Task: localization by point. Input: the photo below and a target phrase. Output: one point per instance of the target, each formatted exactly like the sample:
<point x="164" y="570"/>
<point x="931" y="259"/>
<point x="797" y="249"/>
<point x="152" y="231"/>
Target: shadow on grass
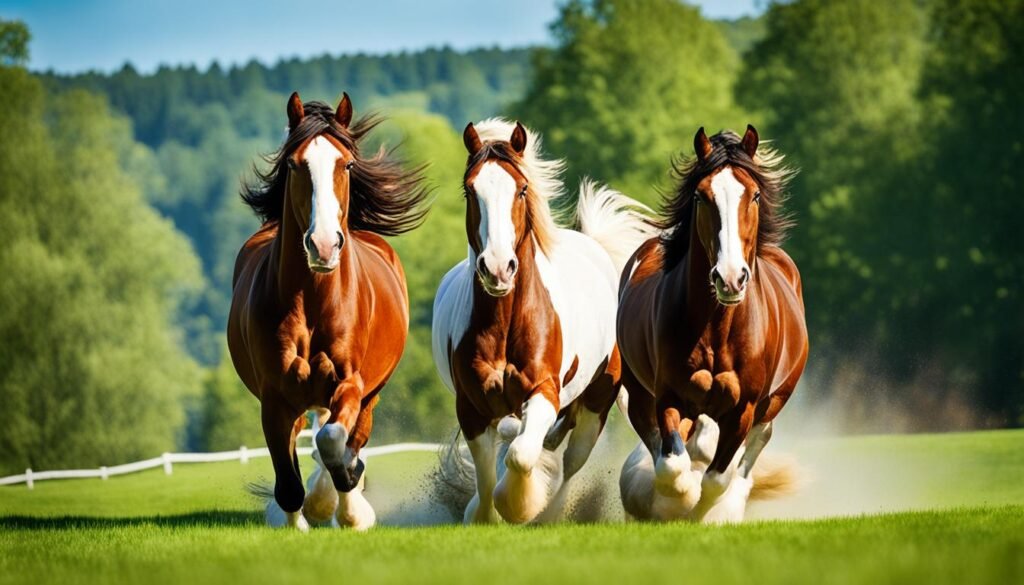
<point x="207" y="519"/>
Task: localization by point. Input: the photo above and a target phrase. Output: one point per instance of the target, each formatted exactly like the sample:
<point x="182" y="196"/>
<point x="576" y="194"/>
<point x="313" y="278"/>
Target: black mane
<point x="767" y="171"/>
<point x="384" y="197"/>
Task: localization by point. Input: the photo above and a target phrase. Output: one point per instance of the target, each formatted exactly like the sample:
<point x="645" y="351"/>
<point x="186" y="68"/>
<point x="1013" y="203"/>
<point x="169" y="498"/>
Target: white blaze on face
<point x="324" y="221"/>
<point x="728" y="193"/>
<point x="496" y="192"/>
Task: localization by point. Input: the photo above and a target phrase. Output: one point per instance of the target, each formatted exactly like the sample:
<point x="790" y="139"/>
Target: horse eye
<point x="292" y="165"/>
<point x="522" y="193"/>
<point x="757" y="197"/>
<point x="350" y="164"/>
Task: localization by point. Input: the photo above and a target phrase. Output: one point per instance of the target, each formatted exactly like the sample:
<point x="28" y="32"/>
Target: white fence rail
<point x="167" y="461"/>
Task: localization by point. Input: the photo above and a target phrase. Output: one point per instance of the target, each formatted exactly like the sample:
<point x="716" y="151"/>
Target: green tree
<point x="836" y="84"/>
<point x="626" y="87"/>
<point x="415" y="403"/>
<point x="973" y="140"/>
<point x="14" y="37"/>
<point x="904" y="119"/>
<point x="230" y="413"/>
<point x="92" y="370"/>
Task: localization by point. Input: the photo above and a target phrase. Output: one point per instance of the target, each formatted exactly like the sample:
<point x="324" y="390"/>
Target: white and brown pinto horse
<point x="524" y="327"/>
<point x="712" y="334"/>
<point x="319" y="310"/>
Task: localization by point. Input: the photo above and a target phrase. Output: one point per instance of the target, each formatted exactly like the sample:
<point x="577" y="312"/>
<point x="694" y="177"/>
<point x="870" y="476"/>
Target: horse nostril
<point x="307" y="241"/>
<point x="715" y="276"/>
<point x="744" y="276"/>
<point x="480" y="266"/>
<point x="513" y="266"/>
<point x="341" y="241"/>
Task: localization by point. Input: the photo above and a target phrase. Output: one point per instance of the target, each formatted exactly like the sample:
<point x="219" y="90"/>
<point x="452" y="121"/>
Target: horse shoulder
<point x="780" y="260"/>
<point x="253" y="249"/>
<point x="453" y="306"/>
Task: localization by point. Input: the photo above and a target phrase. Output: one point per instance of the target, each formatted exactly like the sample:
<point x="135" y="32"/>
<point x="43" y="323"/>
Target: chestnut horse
<point x="524" y="327"/>
<point x="712" y="334"/>
<point x="319" y="310"/>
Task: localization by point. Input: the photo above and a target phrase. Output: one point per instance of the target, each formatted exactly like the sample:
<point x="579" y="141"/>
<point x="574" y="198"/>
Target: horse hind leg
<point x="321" y="499"/>
<point x="592" y="414"/>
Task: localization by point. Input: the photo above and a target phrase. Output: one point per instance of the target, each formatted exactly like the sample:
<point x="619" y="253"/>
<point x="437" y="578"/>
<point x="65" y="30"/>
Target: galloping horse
<point x="524" y="327"/>
<point x="319" y="310"/>
<point x="712" y="333"/>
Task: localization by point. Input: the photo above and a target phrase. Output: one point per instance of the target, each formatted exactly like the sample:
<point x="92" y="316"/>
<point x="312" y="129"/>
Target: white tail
<point x="618" y="223"/>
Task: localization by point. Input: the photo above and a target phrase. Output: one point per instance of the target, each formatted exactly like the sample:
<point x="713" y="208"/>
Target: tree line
<point x="902" y="117"/>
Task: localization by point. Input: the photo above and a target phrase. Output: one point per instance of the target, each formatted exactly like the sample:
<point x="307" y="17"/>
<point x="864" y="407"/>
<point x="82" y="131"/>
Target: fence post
<point x="243" y="454"/>
<point x="28" y="478"/>
<point x="103" y="472"/>
<point x="167" y="464"/>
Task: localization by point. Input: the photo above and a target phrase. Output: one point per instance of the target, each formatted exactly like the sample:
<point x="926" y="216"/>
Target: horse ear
<point x="701" y="145"/>
<point x="343" y="115"/>
<point x="471" y="139"/>
<point x="750" y="141"/>
<point x="518" y="140"/>
<point x="295" y="111"/>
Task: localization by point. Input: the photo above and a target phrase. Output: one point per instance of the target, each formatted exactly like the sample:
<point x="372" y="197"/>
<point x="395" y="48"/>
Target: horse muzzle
<point x="730" y="286"/>
<point x="497" y="283"/>
<point x="323" y="254"/>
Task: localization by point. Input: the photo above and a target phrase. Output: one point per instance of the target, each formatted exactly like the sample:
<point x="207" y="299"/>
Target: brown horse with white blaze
<point x="319" y="312"/>
<point x="712" y="334"/>
<point x="524" y="327"/>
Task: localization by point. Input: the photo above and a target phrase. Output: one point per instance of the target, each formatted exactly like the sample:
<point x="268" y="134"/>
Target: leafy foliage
<point x="92" y="370"/>
<point x="14" y="37"/>
<point x="901" y="117"/>
<point x="628" y="83"/>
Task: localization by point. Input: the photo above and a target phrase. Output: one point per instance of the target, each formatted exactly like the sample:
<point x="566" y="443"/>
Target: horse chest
<point x="495" y="386"/>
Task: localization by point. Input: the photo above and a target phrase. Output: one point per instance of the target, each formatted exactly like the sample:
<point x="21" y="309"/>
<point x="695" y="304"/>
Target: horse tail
<point x="264" y="492"/>
<point x="619" y="224"/>
<point x="453" y="482"/>
<point x="774" y="477"/>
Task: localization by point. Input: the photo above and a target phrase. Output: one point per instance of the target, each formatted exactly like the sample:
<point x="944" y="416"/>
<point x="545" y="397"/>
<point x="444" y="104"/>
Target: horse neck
<point x="496" y="313"/>
<point x="293" y="274"/>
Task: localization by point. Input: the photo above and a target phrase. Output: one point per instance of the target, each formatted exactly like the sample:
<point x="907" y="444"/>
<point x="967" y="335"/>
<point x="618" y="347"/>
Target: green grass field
<point x="923" y="508"/>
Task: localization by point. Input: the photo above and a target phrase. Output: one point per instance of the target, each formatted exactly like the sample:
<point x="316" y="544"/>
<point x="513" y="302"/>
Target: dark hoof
<point x="289" y="496"/>
<point x="346" y="479"/>
<point x="330" y="441"/>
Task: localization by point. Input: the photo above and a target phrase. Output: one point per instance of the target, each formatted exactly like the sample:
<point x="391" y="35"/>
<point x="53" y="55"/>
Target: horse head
<point x="319" y="167"/>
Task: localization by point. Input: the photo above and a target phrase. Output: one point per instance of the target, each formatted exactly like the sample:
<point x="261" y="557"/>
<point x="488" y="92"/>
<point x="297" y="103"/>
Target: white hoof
<point x="354" y="511"/>
<point x="475" y="514"/>
<point x="297" y="521"/>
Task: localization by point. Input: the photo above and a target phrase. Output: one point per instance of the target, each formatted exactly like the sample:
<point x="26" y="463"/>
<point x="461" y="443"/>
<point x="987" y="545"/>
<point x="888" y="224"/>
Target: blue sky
<point x="77" y="35"/>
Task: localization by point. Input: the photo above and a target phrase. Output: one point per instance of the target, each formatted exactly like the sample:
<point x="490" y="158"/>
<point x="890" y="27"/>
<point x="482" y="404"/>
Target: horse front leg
<point x="531" y="475"/>
<point x="595" y="403"/>
<point x="724" y="492"/>
<point x="333" y="438"/>
<point x="280" y="428"/>
<point x="481" y="437"/>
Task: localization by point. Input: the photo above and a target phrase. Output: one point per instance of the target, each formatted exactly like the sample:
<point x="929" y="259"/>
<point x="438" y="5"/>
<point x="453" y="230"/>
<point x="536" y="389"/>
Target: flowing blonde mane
<point x="544" y="177"/>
